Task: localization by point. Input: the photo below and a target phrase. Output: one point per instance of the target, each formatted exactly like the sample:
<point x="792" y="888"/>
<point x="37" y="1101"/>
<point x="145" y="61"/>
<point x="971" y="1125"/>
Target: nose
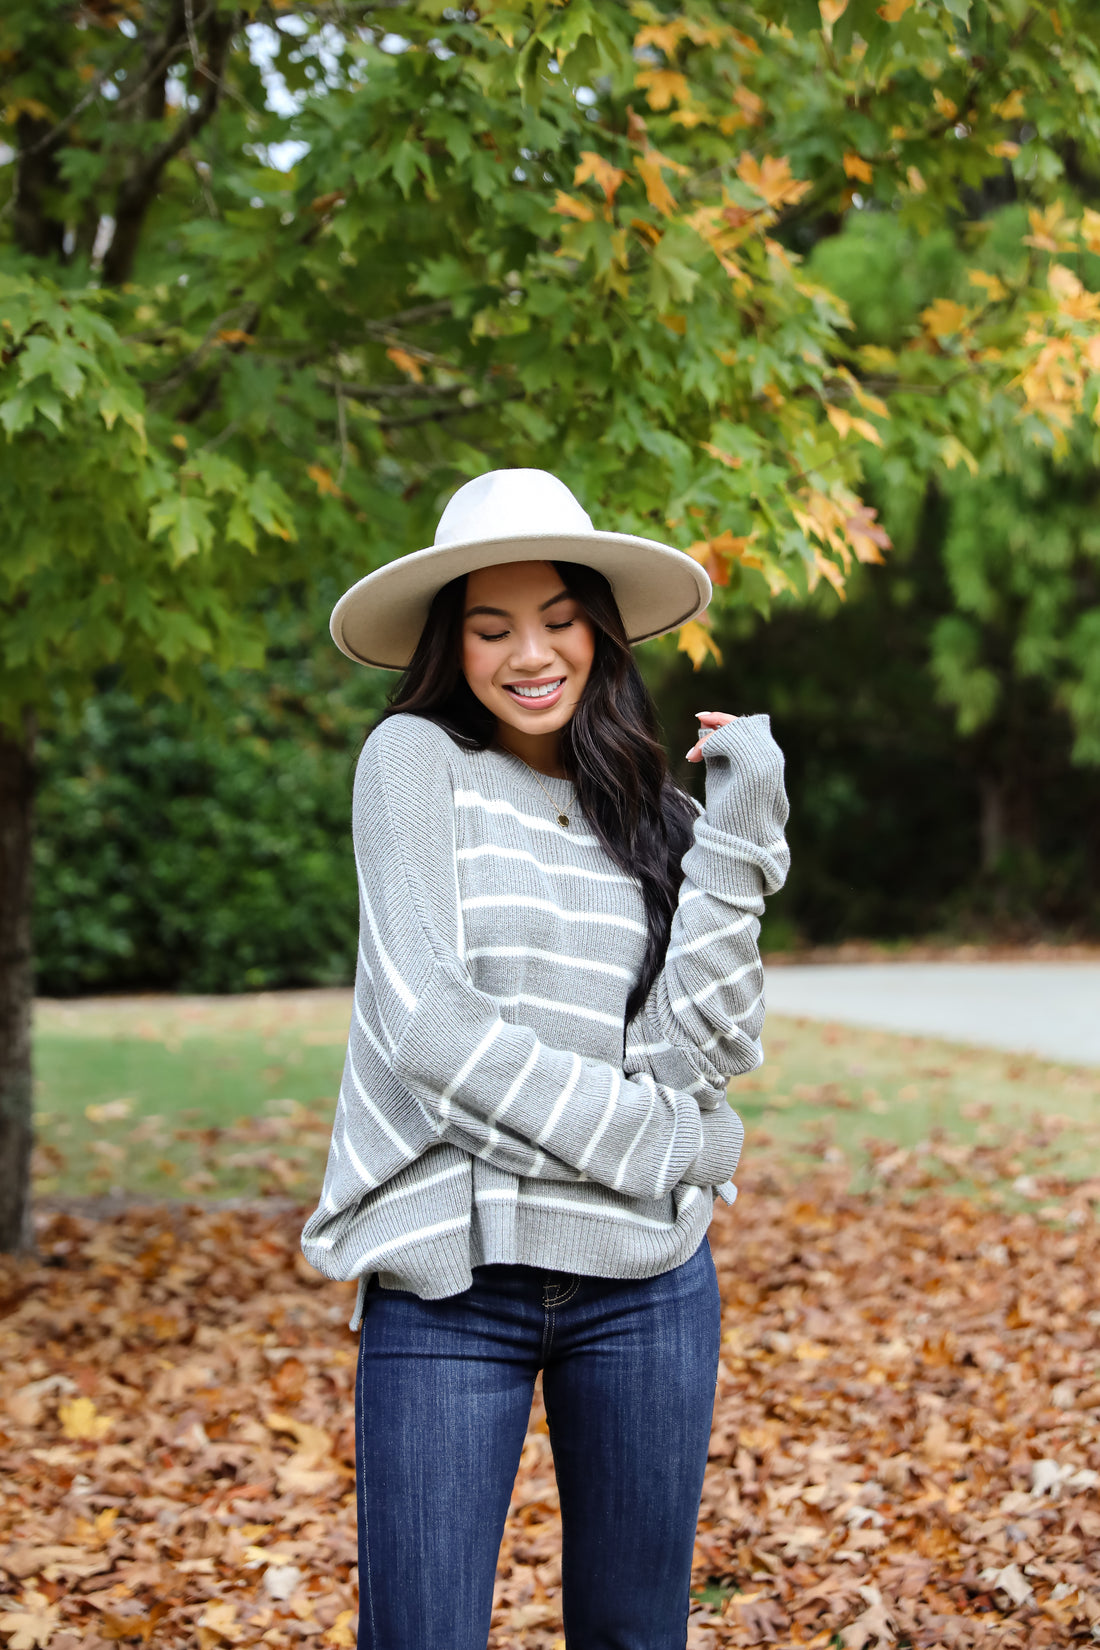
<point x="533" y="648"/>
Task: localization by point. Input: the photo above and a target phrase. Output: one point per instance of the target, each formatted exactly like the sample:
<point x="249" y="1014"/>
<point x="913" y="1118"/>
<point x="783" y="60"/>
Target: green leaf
<point x="187" y="522"/>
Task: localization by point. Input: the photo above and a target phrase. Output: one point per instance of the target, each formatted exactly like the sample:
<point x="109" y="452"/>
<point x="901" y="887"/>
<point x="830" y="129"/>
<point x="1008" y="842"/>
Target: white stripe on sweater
<point x="555" y="1004"/>
<point x="708" y="938"/>
<point x="560" y="1103"/>
<point x="497" y="850"/>
<point x="497" y="805"/>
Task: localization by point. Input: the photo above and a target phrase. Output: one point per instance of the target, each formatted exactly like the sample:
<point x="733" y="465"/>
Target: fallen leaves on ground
<point x="906" y="1441"/>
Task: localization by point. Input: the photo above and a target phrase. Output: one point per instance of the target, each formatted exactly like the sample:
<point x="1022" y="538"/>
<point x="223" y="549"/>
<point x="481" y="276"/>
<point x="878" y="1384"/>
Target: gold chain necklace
<point x="562" y="816"/>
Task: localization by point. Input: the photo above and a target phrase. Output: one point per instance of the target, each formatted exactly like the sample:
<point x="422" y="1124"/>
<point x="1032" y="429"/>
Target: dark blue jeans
<point x="442" y="1402"/>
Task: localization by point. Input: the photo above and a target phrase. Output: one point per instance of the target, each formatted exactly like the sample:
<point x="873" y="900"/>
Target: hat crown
<point x="510" y="504"/>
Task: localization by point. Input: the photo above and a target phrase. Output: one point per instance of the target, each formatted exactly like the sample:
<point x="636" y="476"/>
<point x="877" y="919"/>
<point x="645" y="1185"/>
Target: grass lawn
<point x="228" y="1096"/>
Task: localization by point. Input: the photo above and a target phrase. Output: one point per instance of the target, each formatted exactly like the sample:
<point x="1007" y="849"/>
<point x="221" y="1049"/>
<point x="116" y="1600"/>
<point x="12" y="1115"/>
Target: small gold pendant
<point x="563" y="820"/>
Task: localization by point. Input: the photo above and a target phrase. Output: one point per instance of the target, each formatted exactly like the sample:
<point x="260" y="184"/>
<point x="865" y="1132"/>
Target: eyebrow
<point x="503" y="613"/>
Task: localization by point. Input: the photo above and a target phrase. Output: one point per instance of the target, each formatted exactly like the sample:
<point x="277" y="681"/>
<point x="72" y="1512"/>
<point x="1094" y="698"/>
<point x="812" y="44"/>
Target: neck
<point x="539" y="750"/>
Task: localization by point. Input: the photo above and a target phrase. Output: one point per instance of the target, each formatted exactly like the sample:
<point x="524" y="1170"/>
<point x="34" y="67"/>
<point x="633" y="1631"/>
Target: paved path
<point x="1052" y="1009"/>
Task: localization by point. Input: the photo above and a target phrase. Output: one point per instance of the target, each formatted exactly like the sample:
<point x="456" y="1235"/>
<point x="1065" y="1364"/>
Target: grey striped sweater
<point x="494" y="1105"/>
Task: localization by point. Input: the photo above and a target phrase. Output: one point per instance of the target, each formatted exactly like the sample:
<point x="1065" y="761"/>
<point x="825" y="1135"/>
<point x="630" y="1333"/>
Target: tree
<point x="569" y="236"/>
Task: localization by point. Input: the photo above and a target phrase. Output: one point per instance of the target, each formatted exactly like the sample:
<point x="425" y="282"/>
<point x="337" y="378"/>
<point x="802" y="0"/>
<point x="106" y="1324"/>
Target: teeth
<point x="536" y="692"/>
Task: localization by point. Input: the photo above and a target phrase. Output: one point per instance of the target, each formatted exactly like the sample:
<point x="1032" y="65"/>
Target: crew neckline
<point x="544" y="778"/>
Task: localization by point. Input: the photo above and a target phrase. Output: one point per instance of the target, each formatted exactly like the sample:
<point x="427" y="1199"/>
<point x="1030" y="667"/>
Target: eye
<point x="498" y="638"/>
<point x="563" y="626"/>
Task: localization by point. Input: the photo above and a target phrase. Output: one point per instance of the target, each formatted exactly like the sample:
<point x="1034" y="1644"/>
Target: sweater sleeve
<point x="701" y="1021"/>
<point x="481" y="1081"/>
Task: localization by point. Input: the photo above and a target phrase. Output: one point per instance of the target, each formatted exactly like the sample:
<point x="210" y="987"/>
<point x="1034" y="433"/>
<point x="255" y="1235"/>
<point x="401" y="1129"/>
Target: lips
<point x="536" y="693"/>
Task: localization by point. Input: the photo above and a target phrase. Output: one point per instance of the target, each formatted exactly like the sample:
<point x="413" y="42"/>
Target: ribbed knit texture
<point x="494" y="1105"/>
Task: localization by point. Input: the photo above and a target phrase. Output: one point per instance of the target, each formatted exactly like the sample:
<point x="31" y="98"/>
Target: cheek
<point x="477" y="662"/>
<point x="582" y="649"/>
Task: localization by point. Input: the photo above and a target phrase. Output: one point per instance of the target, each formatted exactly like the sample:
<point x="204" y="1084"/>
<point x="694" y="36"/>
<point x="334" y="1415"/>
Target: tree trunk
<point x="16" y="985"/>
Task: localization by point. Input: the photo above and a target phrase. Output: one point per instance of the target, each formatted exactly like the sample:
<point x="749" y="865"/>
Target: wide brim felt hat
<point x="514" y="515"/>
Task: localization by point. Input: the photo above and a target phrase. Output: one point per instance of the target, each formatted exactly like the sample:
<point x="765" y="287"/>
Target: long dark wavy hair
<point x="610" y="748"/>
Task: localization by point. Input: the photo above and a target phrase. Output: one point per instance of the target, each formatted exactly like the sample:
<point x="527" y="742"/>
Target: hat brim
<point x="379" y="620"/>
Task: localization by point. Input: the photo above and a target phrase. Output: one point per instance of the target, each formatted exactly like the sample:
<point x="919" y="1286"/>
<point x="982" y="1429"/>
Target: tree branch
<point x="441" y="413"/>
<point x="136" y="194"/>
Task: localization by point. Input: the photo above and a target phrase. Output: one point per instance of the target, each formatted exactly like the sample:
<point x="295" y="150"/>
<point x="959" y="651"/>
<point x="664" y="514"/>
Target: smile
<point x="543" y="693"/>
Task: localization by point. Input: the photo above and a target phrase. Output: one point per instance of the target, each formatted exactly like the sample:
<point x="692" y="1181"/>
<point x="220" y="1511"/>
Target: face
<point x="527" y="647"/>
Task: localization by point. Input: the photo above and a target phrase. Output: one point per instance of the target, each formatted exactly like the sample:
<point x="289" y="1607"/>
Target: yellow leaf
<point x="607" y="177"/>
<point x="750" y="105"/>
<point x="406" y="363"/>
<point x="180" y="441"/>
<point x="864" y="534"/>
<point x="26" y="106"/>
<point x="1004" y="150"/>
<point x="1090" y="229"/>
<point x="944" y="317"/>
<point x="1063" y="282"/>
<point x="944" y="104"/>
<point x="893" y="10"/>
<point x="831" y="12"/>
<point x="771" y="179"/>
<point x="313" y="1443"/>
<point x="663" y="87"/>
<point x="234" y="335"/>
<point x="916" y="181"/>
<point x="657" y="191"/>
<point x="665" y="36"/>
<point x="1012" y="106"/>
<point x="991" y="283"/>
<point x="341" y="1635"/>
<point x="1050" y="228"/>
<point x="568" y="206"/>
<point x="840" y="420"/>
<point x="954" y="453"/>
<point x="856" y="167"/>
<point x="110" y="1111"/>
<point x="697" y="642"/>
<point x="80" y="1419"/>
<point x="674" y="323"/>
<point x="323" y="480"/>
<point x="34" y="1625"/>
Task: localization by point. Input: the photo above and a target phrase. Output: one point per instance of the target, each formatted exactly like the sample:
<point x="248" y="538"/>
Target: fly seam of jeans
<point x="360" y="1464"/>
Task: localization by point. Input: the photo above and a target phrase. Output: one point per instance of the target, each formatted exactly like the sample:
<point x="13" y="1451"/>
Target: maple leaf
<point x="1050" y="229"/>
<point x="894" y="10"/>
<point x="602" y="173"/>
<point x="1011" y="107"/>
<point x="663" y="87"/>
<point x="771" y="179"/>
<point x="657" y="191"/>
<point x="697" y="642"/>
<point x="32" y="1626"/>
<point x="856" y="167"/>
<point x="991" y="283"/>
<point x="665" y="36"/>
<point x="406" y="362"/>
<point x="80" y="1419"/>
<point x="944" y="317"/>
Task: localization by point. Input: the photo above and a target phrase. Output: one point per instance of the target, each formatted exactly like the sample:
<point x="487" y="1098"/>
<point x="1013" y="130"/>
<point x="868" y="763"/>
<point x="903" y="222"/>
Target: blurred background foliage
<point x="807" y="289"/>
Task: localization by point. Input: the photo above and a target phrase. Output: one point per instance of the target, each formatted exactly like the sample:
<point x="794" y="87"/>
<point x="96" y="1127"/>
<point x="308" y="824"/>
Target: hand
<point x="711" y="719"/>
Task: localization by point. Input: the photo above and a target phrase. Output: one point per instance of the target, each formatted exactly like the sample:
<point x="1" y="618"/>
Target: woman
<point x="557" y="976"/>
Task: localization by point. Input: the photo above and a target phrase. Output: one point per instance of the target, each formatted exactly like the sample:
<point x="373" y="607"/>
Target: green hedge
<point x="207" y="853"/>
